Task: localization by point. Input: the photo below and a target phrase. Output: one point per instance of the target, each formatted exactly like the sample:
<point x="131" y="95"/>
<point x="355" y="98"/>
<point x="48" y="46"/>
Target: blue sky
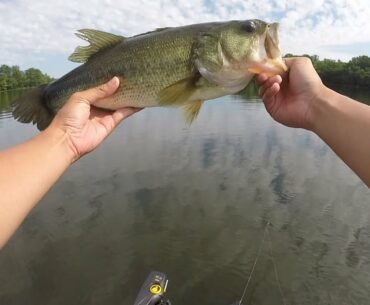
<point x="39" y="33"/>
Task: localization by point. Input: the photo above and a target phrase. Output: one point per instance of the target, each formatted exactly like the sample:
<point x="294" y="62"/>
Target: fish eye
<point x="249" y="26"/>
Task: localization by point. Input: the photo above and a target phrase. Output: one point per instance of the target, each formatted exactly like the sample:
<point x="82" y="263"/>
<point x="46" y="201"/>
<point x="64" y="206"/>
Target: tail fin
<point x="32" y="108"/>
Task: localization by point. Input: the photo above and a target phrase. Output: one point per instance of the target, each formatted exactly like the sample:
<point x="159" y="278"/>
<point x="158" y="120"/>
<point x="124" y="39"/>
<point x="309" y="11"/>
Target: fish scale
<point x="142" y="80"/>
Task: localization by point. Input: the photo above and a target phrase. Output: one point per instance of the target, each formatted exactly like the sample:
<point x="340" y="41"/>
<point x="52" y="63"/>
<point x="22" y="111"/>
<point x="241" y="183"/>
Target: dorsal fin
<point x="98" y="41"/>
<point x="153" y="31"/>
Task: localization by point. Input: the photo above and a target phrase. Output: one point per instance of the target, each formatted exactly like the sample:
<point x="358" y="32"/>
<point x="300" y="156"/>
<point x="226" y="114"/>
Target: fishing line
<point x="275" y="269"/>
<point x="266" y="232"/>
<point x="254" y="264"/>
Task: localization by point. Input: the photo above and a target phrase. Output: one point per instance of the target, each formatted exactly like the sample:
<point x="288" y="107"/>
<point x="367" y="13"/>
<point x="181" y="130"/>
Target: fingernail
<point x="113" y="82"/>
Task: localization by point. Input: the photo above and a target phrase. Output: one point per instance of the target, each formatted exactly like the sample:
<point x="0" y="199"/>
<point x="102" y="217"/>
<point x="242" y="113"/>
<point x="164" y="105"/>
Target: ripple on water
<point x="6" y="114"/>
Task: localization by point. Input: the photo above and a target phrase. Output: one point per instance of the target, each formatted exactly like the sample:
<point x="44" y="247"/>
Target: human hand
<point x="290" y="98"/>
<point x="86" y="126"/>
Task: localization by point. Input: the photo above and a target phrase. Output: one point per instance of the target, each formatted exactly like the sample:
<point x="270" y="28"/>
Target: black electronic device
<point x="153" y="290"/>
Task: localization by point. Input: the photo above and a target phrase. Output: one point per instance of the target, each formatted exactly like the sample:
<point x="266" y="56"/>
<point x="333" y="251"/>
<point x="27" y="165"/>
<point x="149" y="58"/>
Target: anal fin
<point x="191" y="110"/>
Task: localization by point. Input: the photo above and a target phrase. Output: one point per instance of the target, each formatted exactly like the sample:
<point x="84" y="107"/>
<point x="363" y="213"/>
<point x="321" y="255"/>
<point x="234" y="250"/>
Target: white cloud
<point x="30" y="30"/>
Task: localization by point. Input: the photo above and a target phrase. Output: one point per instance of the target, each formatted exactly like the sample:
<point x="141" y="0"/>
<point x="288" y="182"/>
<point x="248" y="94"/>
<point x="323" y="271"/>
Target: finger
<point x="271" y="92"/>
<point x="277" y="79"/>
<point x="99" y="92"/>
<point x="261" y="79"/>
<point x="290" y="60"/>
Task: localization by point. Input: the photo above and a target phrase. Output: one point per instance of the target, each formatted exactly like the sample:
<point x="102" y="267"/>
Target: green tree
<point x="13" y="77"/>
<point x="362" y="62"/>
<point x="34" y="77"/>
<point x="18" y="76"/>
<point x="355" y="73"/>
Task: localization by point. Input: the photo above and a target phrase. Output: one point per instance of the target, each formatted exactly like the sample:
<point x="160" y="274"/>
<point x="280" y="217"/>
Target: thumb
<point x="103" y="91"/>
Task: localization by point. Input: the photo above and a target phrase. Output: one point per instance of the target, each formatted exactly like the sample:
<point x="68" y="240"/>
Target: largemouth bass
<point x="181" y="66"/>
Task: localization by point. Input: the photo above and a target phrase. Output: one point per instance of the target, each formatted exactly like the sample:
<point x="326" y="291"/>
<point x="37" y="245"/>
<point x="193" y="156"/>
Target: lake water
<point x="193" y="202"/>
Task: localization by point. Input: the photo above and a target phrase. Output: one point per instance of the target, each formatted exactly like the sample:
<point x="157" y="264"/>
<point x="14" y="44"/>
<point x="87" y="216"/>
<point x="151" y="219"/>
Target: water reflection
<point x="5" y="110"/>
<point x="194" y="202"/>
<point x="6" y="97"/>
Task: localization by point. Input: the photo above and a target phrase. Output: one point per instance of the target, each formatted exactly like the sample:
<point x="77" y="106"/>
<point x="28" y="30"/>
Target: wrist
<point x="59" y="141"/>
<point x="321" y="106"/>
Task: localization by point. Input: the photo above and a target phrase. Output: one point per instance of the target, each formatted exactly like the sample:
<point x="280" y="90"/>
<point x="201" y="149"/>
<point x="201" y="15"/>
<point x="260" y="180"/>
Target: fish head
<point x="253" y="46"/>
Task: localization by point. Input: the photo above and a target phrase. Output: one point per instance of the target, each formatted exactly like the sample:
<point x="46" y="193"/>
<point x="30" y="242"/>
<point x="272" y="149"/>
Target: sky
<point x="40" y="33"/>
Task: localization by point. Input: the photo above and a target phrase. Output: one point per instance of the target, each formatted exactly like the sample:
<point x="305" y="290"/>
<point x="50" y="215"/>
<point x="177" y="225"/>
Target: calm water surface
<point x="194" y="203"/>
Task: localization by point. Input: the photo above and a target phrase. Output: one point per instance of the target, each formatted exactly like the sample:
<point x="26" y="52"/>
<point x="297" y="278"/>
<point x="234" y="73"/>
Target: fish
<point x="174" y="66"/>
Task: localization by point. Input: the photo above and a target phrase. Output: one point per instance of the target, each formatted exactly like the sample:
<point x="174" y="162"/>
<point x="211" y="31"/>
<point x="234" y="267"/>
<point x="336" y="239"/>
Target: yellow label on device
<point x="155" y="289"/>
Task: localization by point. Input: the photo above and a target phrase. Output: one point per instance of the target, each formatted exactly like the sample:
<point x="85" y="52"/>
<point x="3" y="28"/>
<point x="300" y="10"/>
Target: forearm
<point x="27" y="172"/>
<point x="344" y="124"/>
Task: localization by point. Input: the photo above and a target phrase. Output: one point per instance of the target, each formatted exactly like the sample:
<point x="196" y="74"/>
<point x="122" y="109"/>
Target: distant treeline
<point x="14" y="78"/>
<point x="355" y="73"/>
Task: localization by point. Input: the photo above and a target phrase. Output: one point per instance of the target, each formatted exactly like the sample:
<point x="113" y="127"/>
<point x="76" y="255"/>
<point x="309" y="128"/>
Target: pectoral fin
<point x="191" y="110"/>
<point x="178" y="93"/>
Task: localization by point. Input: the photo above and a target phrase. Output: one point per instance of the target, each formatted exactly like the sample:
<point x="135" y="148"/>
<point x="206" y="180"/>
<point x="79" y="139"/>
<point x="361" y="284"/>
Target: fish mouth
<point x="272" y="47"/>
<point x="271" y="63"/>
<point x="272" y="41"/>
